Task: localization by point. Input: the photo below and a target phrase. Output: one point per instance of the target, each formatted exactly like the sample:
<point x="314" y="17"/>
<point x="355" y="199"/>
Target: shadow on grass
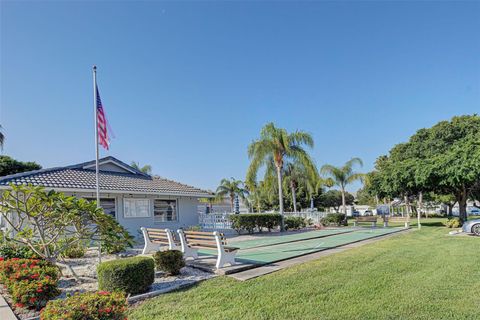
<point x="432" y="224"/>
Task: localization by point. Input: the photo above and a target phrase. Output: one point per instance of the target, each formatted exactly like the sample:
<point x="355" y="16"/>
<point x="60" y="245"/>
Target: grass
<point x="423" y="274"/>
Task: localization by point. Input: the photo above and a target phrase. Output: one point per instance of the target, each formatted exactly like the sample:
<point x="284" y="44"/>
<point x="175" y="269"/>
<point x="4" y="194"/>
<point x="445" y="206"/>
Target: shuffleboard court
<point x="274" y="240"/>
<point x="266" y="254"/>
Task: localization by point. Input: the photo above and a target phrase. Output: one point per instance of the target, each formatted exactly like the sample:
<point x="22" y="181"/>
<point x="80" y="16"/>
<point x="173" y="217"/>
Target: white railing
<point x="315" y="216"/>
<point x="221" y="221"/>
<point x="215" y="221"/>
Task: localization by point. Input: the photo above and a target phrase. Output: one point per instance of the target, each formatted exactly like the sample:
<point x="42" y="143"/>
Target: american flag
<point x="103" y="138"/>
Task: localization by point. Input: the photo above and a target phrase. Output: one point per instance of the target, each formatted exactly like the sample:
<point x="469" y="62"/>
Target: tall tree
<point x="145" y="169"/>
<point x="335" y="199"/>
<point x="296" y="175"/>
<point x="232" y="188"/>
<point x="9" y="165"/>
<point x="343" y="176"/>
<point x="444" y="159"/>
<point x="276" y="146"/>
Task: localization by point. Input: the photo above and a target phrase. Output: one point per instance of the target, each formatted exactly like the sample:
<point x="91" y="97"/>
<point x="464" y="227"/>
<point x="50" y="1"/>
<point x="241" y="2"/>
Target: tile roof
<point x="77" y="177"/>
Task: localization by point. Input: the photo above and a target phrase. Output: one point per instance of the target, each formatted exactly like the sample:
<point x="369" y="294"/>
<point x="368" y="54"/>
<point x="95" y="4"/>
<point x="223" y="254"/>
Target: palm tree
<point x="276" y="146"/>
<point x="232" y="188"/>
<point x="145" y="169"/>
<point x="295" y="175"/>
<point x="342" y="176"/>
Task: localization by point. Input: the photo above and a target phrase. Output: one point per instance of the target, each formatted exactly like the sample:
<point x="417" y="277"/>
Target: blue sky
<point x="188" y="85"/>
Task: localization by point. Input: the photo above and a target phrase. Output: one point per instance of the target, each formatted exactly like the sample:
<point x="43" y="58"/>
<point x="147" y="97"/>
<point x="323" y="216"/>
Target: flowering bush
<point x="34" y="293"/>
<point x="31" y="282"/>
<point x="13" y="270"/>
<point x="99" y="305"/>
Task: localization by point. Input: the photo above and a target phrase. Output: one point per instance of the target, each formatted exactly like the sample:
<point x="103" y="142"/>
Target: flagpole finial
<point x="94" y="68"/>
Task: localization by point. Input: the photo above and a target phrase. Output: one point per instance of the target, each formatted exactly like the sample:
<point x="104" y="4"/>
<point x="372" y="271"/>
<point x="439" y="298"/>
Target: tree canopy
<point x="444" y="159"/>
<point x="8" y="165"/>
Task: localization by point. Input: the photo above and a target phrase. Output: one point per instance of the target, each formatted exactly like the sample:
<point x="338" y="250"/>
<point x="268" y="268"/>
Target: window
<point x="164" y="210"/>
<point x="108" y="205"/>
<point x="136" y="208"/>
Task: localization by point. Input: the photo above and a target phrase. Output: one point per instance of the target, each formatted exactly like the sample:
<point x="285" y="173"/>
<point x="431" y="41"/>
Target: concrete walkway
<point x="5" y="312"/>
<point x="266" y="269"/>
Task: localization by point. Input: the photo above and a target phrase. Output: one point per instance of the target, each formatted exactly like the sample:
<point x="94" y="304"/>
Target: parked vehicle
<point x="356" y="213"/>
<point x="368" y="213"/>
<point x="474" y="211"/>
<point x="472" y="226"/>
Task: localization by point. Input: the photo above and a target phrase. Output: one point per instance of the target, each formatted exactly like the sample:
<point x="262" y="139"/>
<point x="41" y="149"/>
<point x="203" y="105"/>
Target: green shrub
<point x="333" y="219"/>
<point x="130" y="275"/>
<point x="9" y="250"/>
<point x="453" y="223"/>
<point x="295" y="223"/>
<point x="74" y="250"/>
<point x="251" y="221"/>
<point x="194" y="228"/>
<point x="100" y="305"/>
<point x="170" y="261"/>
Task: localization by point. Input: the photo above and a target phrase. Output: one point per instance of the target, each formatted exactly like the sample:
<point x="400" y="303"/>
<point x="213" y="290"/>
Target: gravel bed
<point x="85" y="268"/>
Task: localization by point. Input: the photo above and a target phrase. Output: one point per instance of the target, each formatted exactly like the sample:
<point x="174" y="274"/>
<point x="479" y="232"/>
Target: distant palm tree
<point x="276" y="146"/>
<point x="2" y="137"/>
<point x="145" y="169"/>
<point x="296" y="175"/>
<point x="232" y="188"/>
<point x="342" y="176"/>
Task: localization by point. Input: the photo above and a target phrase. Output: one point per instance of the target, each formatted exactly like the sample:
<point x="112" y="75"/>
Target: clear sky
<point x="188" y="85"/>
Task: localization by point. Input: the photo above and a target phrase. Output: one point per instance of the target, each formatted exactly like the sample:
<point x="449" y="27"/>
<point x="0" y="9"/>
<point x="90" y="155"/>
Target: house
<point x="134" y="198"/>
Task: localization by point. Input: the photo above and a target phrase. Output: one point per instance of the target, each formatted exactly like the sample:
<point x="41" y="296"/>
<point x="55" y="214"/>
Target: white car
<point x="472" y="226"/>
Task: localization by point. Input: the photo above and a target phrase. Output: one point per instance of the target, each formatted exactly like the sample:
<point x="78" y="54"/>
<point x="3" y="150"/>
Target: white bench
<point x="155" y="239"/>
<point x="191" y="241"/>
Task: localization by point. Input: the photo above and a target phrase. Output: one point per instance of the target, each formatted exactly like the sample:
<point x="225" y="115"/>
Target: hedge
<point x="170" y="261"/>
<point x="130" y="275"/>
<point x="251" y="221"/>
<point x="333" y="219"/>
<point x="295" y="223"/>
<point x="100" y="305"/>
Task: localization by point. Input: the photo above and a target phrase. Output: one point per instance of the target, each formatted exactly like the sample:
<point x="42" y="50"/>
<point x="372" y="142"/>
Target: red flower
<point x="104" y="293"/>
<point x="1" y="258"/>
<point x="39" y="290"/>
<point x="19" y="305"/>
<point x="32" y="300"/>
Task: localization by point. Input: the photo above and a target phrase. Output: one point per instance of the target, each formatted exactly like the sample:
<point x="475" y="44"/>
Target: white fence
<point x="215" y="221"/>
<point x="315" y="216"/>
<point x="221" y="221"/>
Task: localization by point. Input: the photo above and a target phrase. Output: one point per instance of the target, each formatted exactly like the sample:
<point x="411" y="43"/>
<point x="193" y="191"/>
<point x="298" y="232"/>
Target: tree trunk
<point x="311" y="203"/>
<point x="450" y="209"/>
<point x="232" y="200"/>
<point x="344" y="203"/>
<point x="462" y="198"/>
<point x="407" y="203"/>
<point x="294" y="197"/>
<point x="280" y="197"/>
<point x="419" y="211"/>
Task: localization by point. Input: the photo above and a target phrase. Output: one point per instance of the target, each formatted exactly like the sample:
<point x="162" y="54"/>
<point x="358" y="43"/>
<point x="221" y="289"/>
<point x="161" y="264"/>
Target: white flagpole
<point x="95" y="113"/>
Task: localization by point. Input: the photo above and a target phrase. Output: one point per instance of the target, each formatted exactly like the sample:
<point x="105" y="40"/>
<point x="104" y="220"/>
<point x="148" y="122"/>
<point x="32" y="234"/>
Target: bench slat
<point x="199" y="233"/>
<point x="200" y="237"/>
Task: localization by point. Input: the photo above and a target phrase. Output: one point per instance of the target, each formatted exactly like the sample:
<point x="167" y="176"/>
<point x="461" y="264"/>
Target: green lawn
<point x="419" y="275"/>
